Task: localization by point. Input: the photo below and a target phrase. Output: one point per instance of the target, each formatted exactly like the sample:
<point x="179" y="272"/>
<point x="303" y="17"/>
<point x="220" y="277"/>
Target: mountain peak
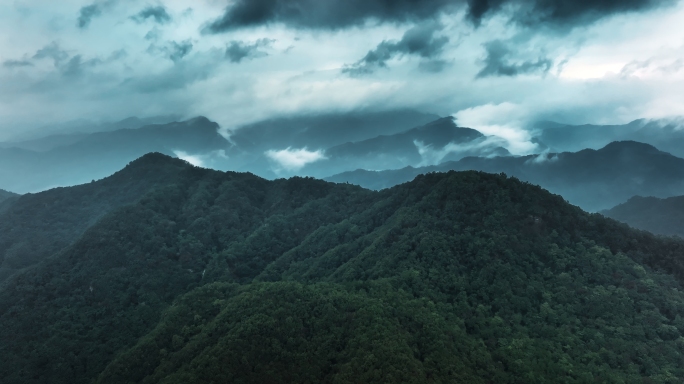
<point x="629" y="145"/>
<point x="154" y="159"/>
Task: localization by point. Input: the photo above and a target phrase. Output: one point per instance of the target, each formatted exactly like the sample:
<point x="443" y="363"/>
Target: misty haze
<point x="329" y="191"/>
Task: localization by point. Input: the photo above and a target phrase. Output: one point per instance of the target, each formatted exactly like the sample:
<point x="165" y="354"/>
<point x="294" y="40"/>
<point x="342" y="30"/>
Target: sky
<point x="496" y="65"/>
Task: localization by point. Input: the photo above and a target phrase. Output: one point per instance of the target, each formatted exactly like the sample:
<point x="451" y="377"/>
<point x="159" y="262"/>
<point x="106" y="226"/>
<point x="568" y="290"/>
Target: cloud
<point x="338" y="14"/>
<point x="239" y="50"/>
<point x="173" y="50"/>
<point x="497" y="62"/>
<point x="294" y="159"/>
<point x="562" y="13"/>
<point x="52" y="51"/>
<point x="331" y="14"/>
<point x="490" y="146"/>
<point x="16" y="63"/>
<point x="542" y="158"/>
<point x="88" y="12"/>
<point x="192" y="159"/>
<point x="421" y="40"/>
<point x="158" y="13"/>
<point x="505" y="120"/>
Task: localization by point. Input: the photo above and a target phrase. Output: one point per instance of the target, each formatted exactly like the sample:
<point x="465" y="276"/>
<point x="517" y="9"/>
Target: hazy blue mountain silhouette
<point x="656" y="215"/>
<point x="100" y="154"/>
<point x="433" y="143"/>
<point x="665" y="134"/>
<point x="593" y="179"/>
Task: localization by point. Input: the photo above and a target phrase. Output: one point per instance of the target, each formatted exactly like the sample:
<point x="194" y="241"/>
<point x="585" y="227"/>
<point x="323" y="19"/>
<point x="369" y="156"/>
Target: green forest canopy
<point x="454" y="277"/>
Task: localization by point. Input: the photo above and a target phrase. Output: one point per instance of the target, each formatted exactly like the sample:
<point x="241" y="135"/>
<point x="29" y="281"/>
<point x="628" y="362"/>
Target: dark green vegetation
<point x="4" y="195"/>
<point x="660" y="216"/>
<point x="593" y="179"/>
<point x="458" y="277"/>
<point x="35" y="226"/>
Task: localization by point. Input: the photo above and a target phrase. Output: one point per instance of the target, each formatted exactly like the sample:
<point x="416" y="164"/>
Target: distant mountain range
<point x="71" y="131"/>
<point x="341" y="141"/>
<point x="660" y="216"/>
<point x="665" y="134"/>
<point x="593" y="179"/>
<point x="373" y="149"/>
<point x="100" y="154"/>
<point x="433" y="143"/>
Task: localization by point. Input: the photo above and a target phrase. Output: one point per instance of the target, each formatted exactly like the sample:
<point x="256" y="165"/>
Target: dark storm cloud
<point x="52" y="51"/>
<point x="421" y="40"/>
<point x="559" y="12"/>
<point x="336" y="14"/>
<point x="16" y="63"/>
<point x="239" y="50"/>
<point x="317" y="14"/>
<point x="158" y="13"/>
<point x="497" y="62"/>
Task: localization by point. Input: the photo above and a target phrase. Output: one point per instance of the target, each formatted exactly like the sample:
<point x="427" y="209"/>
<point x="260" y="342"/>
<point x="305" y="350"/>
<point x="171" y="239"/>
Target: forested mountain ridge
<point x="4" y="195"/>
<point x="660" y="216"/>
<point x="38" y="225"/>
<point x="593" y="179"/>
<point x="454" y="277"/>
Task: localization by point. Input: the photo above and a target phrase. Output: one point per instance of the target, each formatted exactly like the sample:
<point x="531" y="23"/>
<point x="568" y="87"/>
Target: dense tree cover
<point x="4" y="195"/>
<point x="660" y="216"/>
<point x="37" y="225"/>
<point x="593" y="179"/>
<point x="456" y="277"/>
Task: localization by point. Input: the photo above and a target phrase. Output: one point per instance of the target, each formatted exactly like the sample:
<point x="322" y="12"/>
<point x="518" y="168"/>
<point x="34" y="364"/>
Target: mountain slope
<point x="592" y="179"/>
<point x="38" y="225"/>
<point x="72" y="131"/>
<point x="660" y="216"/>
<point x="455" y="277"/>
<point x="101" y="154"/>
<point x="4" y="195"/>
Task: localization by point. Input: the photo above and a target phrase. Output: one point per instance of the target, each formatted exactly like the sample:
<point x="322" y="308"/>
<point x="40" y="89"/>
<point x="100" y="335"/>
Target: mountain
<point x="4" y="195"/>
<point x="593" y="179"/>
<point x="72" y="131"/>
<point x="666" y="134"/>
<point x="6" y="199"/>
<point x="454" y="277"/>
<point x="324" y="131"/>
<point x="660" y="216"/>
<point x="438" y="141"/>
<point x="100" y="154"/>
<point x="252" y="142"/>
<point x="36" y="226"/>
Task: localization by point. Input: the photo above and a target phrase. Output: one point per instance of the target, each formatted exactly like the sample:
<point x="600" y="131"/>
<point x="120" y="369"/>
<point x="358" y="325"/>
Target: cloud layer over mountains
<point x="244" y="61"/>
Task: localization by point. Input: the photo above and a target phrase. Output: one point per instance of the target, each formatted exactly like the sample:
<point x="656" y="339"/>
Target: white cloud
<point x="294" y="159"/>
<point x="192" y="159"/>
<point x="483" y="148"/>
<point x="505" y="120"/>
